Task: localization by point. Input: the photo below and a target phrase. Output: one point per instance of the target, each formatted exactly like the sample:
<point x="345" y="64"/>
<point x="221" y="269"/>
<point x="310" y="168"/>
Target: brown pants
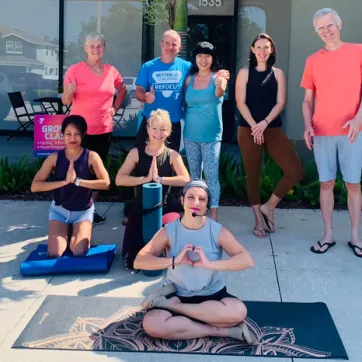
<point x="280" y="150"/>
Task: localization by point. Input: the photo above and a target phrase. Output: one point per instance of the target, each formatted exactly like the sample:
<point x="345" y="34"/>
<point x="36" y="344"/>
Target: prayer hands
<point x="154" y="169"/>
<point x="71" y="175"/>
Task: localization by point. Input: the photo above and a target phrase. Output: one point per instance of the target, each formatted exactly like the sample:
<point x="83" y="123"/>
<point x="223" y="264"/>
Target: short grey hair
<point x="95" y="37"/>
<point x="322" y="12"/>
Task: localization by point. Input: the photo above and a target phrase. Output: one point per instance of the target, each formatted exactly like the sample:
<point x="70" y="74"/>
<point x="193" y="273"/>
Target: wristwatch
<point x="77" y="181"/>
<point x="159" y="179"/>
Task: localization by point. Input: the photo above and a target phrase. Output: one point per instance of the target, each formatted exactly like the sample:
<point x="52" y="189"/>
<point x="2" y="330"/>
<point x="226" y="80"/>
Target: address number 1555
<point x="210" y="3"/>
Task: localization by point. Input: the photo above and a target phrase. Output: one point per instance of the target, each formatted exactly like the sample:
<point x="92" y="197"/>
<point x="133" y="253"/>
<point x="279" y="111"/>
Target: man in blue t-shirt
<point x="160" y="85"/>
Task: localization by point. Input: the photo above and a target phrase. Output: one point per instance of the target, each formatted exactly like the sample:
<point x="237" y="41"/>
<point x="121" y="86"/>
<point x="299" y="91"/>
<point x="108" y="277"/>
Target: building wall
<point x="305" y="41"/>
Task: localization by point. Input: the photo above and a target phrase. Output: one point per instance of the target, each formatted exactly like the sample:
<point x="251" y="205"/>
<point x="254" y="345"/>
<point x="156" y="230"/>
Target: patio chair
<point x="121" y="111"/>
<point x="24" y="118"/>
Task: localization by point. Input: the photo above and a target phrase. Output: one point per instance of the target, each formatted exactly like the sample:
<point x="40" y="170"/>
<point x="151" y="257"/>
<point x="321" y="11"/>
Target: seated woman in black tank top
<point x="260" y="97"/>
<point x="76" y="172"/>
<point x="152" y="163"/>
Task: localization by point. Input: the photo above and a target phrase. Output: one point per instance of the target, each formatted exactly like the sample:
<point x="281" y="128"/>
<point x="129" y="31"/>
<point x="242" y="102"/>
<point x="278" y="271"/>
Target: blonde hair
<point x="160" y="116"/>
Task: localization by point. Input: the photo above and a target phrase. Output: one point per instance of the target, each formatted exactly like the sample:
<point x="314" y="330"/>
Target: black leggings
<point x="133" y="239"/>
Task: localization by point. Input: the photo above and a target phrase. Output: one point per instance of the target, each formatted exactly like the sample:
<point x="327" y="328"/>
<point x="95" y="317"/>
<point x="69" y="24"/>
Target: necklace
<point x="98" y="70"/>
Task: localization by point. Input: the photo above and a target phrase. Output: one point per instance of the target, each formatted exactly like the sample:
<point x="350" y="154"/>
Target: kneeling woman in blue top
<point x="77" y="171"/>
<point x="195" y="303"/>
<point x="203" y="120"/>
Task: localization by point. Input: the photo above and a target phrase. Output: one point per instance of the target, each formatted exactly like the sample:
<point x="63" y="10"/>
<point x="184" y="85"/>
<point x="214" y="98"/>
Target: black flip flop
<point x="354" y="247"/>
<point x="313" y="250"/>
<point x="268" y="222"/>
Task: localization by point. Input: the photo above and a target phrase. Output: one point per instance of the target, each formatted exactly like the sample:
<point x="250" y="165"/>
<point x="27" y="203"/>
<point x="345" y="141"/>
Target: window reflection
<point x="121" y="24"/>
<point x="26" y="65"/>
<point x="251" y="22"/>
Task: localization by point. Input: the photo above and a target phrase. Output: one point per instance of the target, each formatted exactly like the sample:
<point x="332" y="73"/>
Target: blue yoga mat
<point x="152" y="216"/>
<point x="99" y="259"/>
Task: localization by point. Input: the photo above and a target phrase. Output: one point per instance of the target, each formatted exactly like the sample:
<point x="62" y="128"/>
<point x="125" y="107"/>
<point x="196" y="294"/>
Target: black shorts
<point x="99" y="143"/>
<point x="196" y="299"/>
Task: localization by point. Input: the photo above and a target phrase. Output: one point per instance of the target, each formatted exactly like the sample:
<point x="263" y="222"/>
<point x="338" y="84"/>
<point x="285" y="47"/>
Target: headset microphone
<point x="194" y="214"/>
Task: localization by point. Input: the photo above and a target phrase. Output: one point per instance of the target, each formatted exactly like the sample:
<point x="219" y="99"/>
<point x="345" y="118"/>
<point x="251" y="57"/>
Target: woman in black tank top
<point x="152" y="163"/>
<point x="75" y="171"/>
<point x="261" y="97"/>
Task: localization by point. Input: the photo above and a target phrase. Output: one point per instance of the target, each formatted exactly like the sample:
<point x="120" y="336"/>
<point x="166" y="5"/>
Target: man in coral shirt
<point x="332" y="113"/>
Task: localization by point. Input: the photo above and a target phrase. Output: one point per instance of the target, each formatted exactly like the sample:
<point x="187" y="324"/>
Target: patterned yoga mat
<point x="299" y="330"/>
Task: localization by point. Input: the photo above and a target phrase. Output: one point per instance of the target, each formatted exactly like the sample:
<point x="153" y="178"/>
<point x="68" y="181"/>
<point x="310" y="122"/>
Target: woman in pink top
<point x="90" y="86"/>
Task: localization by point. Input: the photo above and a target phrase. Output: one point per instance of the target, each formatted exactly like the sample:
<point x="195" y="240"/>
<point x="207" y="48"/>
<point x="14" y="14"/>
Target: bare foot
<point x="163" y="302"/>
<point x="356" y="245"/>
<point x="259" y="232"/>
<point x="242" y="333"/>
<point x="268" y="217"/>
<point x="326" y="243"/>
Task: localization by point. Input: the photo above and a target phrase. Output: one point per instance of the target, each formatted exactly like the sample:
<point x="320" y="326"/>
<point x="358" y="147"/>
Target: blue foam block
<point x="99" y="259"/>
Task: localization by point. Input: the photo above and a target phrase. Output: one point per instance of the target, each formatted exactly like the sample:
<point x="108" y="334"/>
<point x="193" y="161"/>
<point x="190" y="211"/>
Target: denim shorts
<point x="326" y="151"/>
<point x="59" y="213"/>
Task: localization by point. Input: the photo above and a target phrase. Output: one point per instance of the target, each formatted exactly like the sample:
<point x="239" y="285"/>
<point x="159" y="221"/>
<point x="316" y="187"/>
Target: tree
<point x="174" y="12"/>
<point x="122" y="28"/>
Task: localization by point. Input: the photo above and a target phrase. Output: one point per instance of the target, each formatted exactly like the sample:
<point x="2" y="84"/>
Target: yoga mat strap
<point x="158" y="206"/>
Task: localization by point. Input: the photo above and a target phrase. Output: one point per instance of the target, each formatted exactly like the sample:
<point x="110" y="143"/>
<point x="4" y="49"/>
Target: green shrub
<point x="17" y="177"/>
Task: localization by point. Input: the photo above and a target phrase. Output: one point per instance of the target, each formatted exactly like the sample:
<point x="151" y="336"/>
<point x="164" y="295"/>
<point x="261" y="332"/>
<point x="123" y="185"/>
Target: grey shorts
<point x="59" y="213"/>
<point x="326" y="151"/>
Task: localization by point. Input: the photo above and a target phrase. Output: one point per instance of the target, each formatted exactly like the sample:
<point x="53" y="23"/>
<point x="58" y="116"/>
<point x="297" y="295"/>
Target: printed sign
<point x="47" y="135"/>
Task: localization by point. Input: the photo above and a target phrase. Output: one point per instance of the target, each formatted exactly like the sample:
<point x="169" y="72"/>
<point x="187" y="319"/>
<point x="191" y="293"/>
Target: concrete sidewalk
<point x="284" y="269"/>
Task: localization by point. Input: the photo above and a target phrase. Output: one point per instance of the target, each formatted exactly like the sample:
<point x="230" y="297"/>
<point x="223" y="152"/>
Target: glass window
<point x="18" y="47"/>
<point x="10" y="47"/>
<point x="23" y="60"/>
<point x="251" y="22"/>
<point x="121" y="24"/>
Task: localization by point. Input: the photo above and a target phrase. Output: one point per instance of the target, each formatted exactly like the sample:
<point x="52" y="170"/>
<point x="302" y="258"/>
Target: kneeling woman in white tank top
<point x="195" y="303"/>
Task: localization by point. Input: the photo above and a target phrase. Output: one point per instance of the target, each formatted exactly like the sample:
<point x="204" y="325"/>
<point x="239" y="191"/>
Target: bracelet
<point x="173" y="262"/>
<point x="159" y="179"/>
<point x="266" y="121"/>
